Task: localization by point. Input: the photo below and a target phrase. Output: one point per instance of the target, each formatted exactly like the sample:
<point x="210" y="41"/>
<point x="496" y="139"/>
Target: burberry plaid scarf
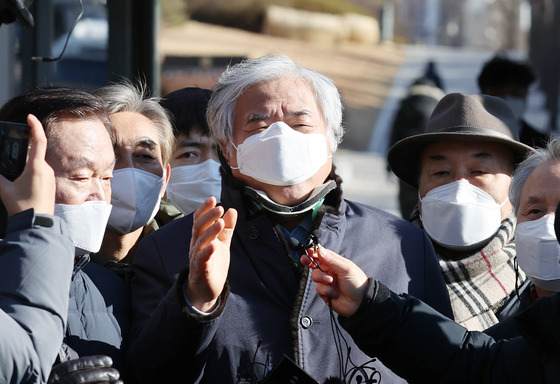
<point x="480" y="283"/>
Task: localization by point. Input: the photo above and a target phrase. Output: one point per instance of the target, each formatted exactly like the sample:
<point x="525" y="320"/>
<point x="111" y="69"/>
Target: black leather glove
<point x="84" y="370"/>
<point x="16" y="10"/>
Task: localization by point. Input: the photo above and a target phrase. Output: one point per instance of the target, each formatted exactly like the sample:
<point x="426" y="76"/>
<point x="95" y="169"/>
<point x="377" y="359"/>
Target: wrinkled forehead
<point x="277" y="99"/>
<point x="70" y="139"/>
<point x="543" y="184"/>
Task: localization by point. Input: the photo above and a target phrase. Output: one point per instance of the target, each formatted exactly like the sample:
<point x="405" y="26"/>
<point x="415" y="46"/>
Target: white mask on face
<point x="86" y="224"/>
<point x="280" y="155"/>
<point x="538" y="252"/>
<point x="135" y="199"/>
<point x="190" y="185"/>
<point x="460" y="216"/>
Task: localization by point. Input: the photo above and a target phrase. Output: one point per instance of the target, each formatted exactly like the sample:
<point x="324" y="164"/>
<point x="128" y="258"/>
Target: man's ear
<point x="166" y="177"/>
<point x="224" y="150"/>
<point x="557" y="223"/>
<point x="223" y="161"/>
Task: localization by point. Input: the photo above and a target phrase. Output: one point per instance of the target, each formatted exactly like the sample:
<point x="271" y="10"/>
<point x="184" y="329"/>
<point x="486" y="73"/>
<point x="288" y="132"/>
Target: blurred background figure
<point x="510" y="80"/>
<point x="411" y="118"/>
<point x="195" y="172"/>
<point x="431" y="72"/>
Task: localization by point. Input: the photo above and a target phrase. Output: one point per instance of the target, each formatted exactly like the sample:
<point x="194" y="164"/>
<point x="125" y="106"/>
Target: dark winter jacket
<point x="35" y="269"/>
<point x="272" y="308"/>
<point x="424" y="346"/>
<point x="99" y="313"/>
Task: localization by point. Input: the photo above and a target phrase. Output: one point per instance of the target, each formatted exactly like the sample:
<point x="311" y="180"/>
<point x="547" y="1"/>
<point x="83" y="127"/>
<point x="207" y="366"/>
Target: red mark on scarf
<point x="492" y="273"/>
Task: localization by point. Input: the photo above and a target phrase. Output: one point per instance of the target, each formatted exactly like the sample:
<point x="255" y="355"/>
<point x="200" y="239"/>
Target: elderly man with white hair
<point x="220" y="296"/>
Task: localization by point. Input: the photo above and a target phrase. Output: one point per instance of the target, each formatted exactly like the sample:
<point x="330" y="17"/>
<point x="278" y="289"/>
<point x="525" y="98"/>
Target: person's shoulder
<point x="166" y="246"/>
<point x="101" y="275"/>
<point x="173" y="228"/>
<point x="354" y="209"/>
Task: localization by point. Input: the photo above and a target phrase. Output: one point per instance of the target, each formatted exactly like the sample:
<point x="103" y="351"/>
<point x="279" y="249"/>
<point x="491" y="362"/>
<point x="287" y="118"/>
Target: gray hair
<point x="534" y="158"/>
<point x="125" y="96"/>
<point x="238" y="78"/>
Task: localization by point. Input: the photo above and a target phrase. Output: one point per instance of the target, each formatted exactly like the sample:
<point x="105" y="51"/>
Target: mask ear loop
<point x="236" y="149"/>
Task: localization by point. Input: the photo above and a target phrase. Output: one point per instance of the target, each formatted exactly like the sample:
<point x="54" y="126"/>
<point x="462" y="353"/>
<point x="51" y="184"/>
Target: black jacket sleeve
<point x="423" y="346"/>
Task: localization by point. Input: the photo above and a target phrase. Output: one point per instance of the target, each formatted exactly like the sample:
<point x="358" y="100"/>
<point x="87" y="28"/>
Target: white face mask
<point x="190" y="185"/>
<point x="135" y="199"/>
<point x="279" y="155"/>
<point x="538" y="252"/>
<point x="460" y="216"/>
<point x="516" y="104"/>
<point x="86" y="224"/>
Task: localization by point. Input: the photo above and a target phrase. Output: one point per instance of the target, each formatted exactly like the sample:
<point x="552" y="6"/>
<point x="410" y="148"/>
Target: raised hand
<point x="209" y="255"/>
<point x="35" y="187"/>
<point x="340" y="280"/>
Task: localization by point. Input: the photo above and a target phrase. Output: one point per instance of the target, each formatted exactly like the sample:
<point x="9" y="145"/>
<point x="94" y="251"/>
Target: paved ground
<point x="366" y="180"/>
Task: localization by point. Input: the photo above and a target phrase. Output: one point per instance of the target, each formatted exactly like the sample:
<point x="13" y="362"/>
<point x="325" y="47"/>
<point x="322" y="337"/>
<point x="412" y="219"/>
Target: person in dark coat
<point x="80" y="150"/>
<point x="144" y="141"/>
<point x="220" y="296"/>
<point x="524" y="348"/>
<point x="462" y="165"/>
<point x="36" y="258"/>
<point x="194" y="161"/>
<point x="411" y="118"/>
<point x="422" y="345"/>
<point x="510" y="80"/>
<point x="534" y="195"/>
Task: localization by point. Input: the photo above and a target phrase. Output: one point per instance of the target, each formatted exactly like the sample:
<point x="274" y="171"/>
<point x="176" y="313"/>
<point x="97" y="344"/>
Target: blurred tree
<point x="173" y="11"/>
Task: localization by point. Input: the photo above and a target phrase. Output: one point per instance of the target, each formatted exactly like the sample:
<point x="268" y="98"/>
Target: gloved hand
<point x="84" y="370"/>
<point x="16" y="10"/>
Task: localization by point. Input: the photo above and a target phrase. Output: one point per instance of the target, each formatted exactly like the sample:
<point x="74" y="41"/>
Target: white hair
<point x="534" y="158"/>
<point x="125" y="96"/>
<point x="238" y="78"/>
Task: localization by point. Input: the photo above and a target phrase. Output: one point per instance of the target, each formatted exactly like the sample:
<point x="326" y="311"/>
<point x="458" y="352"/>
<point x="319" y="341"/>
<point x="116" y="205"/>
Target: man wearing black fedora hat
<point x="462" y="165"/>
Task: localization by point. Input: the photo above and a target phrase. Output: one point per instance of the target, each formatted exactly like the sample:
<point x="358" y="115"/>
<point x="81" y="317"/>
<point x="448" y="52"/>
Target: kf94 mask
<point x="135" y="199"/>
<point x="86" y="224"/>
<point x="279" y="155"/>
<point x="460" y="216"/>
<point x="538" y="252"/>
<point x="190" y="185"/>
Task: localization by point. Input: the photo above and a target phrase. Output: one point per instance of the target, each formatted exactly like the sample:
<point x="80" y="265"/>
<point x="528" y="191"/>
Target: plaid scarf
<point x="480" y="283"/>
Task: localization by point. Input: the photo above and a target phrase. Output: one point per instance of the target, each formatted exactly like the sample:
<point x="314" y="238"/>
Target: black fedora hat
<point x="457" y="117"/>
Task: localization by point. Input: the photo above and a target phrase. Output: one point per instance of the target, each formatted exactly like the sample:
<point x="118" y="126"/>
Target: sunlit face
<point x="193" y="148"/>
<point x="485" y="165"/>
<point x="138" y="144"/>
<point x="540" y="194"/>
<point x="291" y="101"/>
<point x="82" y="161"/>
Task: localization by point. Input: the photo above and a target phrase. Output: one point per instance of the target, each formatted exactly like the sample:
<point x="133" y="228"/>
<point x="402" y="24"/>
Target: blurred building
<point x="490" y="24"/>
